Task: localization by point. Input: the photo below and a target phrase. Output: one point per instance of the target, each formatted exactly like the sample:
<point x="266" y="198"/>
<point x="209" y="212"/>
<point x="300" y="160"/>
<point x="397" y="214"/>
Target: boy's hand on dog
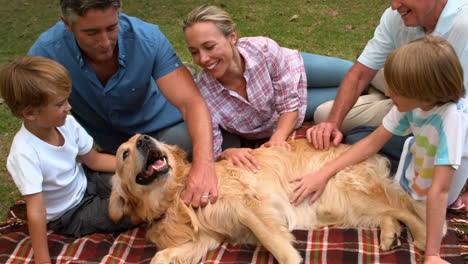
<point x="313" y="183"/>
<point x="201" y="186"/>
<point x="281" y="143"/>
<point x="241" y="157"/>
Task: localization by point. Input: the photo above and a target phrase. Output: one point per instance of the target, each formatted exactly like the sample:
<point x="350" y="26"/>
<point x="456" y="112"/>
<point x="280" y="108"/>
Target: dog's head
<point x="144" y="158"/>
<point x="148" y="177"/>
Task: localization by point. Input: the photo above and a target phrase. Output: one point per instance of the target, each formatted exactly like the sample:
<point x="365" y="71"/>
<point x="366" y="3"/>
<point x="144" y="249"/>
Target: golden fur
<point x="255" y="208"/>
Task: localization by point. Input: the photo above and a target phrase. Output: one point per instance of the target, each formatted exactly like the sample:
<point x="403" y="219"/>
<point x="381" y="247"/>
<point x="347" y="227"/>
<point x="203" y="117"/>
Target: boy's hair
<point x="426" y="69"/>
<point x="71" y="9"/>
<point x="205" y="13"/>
<point x="31" y="81"/>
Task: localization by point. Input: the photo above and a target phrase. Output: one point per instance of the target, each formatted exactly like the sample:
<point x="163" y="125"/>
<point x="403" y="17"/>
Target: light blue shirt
<point x="440" y="138"/>
<point x="131" y="101"/>
<point x="392" y="34"/>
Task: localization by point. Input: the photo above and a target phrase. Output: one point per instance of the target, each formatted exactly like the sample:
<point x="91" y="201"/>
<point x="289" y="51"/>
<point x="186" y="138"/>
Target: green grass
<point x="339" y="28"/>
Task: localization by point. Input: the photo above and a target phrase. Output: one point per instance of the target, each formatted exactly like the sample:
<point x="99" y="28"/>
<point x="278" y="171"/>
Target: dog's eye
<point x="125" y="154"/>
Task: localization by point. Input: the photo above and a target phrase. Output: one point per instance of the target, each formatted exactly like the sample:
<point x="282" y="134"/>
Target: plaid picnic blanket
<point x="325" y="245"/>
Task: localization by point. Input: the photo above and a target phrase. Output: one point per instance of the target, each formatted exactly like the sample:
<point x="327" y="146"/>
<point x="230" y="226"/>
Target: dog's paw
<point x="388" y="242"/>
<point x="420" y="244"/>
<point x="163" y="257"/>
<point x="390" y="230"/>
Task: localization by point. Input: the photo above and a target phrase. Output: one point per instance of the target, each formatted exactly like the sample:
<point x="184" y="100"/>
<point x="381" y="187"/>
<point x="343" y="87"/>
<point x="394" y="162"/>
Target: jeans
<point x="324" y="76"/>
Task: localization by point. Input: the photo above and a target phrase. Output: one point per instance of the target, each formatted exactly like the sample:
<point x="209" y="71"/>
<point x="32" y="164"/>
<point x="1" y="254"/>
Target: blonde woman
<point x="253" y="87"/>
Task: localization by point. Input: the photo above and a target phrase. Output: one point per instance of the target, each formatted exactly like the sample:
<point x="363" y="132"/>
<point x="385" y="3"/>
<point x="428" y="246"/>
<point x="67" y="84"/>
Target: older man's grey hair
<point x="73" y="8"/>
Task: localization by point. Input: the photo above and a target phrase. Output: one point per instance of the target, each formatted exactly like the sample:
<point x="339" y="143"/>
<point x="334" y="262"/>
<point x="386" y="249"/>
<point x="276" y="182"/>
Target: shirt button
<point x="177" y="64"/>
<point x="133" y="89"/>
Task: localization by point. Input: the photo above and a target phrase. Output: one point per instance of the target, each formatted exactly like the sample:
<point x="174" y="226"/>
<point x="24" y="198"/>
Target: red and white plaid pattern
<point x="276" y="83"/>
<point x="324" y="245"/>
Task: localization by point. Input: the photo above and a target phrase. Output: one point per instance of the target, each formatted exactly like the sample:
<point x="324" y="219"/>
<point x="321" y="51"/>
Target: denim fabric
<point x="324" y="75"/>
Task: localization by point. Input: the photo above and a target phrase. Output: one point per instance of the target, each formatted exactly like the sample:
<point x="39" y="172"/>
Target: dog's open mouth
<point x="155" y="166"/>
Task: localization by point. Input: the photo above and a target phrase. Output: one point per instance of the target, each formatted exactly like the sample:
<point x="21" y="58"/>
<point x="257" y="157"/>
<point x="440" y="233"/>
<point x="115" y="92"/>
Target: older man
<point x="405" y="21"/>
<point x="128" y="79"/>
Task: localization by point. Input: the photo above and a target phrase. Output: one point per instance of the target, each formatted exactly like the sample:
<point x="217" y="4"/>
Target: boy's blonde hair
<point x="218" y="16"/>
<point x="426" y="69"/>
<point x="32" y="81"/>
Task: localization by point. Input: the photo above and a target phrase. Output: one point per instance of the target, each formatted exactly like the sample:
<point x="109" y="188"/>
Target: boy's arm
<point x="436" y="208"/>
<point x="99" y="161"/>
<point x="37" y="225"/>
<point x="315" y="182"/>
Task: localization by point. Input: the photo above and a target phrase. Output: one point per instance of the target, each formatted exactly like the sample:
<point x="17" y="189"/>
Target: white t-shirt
<point x="37" y="166"/>
<point x="440" y="138"/>
<point x="392" y="34"/>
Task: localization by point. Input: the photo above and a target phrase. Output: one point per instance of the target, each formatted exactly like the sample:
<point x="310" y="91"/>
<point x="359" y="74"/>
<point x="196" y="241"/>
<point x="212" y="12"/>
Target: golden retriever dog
<point x="255" y="208"/>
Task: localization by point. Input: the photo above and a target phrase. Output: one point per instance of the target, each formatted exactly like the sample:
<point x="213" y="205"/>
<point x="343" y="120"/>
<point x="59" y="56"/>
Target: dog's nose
<point x="142" y="140"/>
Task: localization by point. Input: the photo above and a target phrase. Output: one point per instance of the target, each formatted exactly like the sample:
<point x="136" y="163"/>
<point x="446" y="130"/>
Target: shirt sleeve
<point x="381" y="44"/>
<point x="83" y="140"/>
<point x="451" y="140"/>
<point x="26" y="172"/>
<point x="165" y="60"/>
<point x="397" y="122"/>
<point x="286" y="95"/>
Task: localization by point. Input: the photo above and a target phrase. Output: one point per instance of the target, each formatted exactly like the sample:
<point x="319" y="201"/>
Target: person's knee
<point x="322" y="112"/>
<point x="358" y="133"/>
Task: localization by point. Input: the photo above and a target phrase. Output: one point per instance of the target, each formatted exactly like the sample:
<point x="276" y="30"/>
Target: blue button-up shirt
<point x="131" y="101"/>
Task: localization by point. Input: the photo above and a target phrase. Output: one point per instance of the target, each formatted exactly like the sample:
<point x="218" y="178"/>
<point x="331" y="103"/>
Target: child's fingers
<point x="314" y="197"/>
<point x="295" y="180"/>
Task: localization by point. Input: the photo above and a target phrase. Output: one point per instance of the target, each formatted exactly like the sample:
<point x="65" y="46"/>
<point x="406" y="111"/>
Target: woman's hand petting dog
<point x="241" y="157"/>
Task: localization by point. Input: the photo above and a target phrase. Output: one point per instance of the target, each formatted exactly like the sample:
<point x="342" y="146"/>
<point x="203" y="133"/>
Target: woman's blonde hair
<point x="218" y="16"/>
<point x="32" y="81"/>
<point x="426" y="69"/>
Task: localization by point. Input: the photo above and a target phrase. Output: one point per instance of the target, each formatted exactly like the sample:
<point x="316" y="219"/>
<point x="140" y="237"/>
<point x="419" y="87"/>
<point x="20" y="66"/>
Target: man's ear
<point x="65" y="22"/>
<point x="29" y="113"/>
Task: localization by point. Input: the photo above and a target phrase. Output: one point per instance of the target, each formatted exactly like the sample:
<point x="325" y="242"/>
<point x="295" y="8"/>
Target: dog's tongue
<point x="156" y="166"/>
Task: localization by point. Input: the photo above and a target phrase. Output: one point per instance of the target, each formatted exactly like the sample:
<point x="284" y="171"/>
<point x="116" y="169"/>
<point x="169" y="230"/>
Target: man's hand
<point x="201" y="186"/>
<point x="321" y="134"/>
<point x="241" y="157"/>
<point x="313" y="183"/>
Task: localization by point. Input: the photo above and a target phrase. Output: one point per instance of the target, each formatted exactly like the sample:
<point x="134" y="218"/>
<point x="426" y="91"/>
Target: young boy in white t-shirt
<point x="60" y="193"/>
<point x="425" y="83"/>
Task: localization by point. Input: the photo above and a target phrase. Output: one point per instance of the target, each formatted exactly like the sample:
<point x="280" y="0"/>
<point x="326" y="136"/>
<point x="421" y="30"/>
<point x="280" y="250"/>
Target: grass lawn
<point x="337" y="28"/>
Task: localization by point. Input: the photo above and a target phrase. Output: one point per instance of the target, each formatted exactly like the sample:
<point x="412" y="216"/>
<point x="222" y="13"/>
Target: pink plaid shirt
<point x="276" y="84"/>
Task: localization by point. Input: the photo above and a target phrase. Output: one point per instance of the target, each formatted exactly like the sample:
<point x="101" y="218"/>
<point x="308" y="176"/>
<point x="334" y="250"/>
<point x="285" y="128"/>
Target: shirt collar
<point x="243" y="51"/>
<point x="446" y="17"/>
<point x="120" y="41"/>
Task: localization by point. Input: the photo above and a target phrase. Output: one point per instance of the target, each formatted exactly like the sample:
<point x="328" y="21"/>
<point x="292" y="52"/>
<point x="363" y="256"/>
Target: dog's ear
<point x="179" y="154"/>
<point x="116" y="202"/>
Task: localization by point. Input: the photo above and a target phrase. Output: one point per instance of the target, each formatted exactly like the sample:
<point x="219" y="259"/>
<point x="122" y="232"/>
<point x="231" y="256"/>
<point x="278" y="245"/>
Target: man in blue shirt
<point x="128" y="79"/>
